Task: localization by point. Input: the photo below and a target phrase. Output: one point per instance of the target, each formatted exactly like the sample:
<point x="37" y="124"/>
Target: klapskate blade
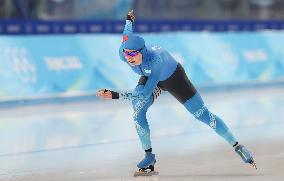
<point x="139" y="173"/>
<point x="254" y="165"/>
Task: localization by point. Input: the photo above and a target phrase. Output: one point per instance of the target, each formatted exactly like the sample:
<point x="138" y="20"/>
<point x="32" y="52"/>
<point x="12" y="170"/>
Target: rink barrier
<point x="19" y="27"/>
<point x="33" y="67"/>
<point x="50" y="99"/>
<point x="91" y="97"/>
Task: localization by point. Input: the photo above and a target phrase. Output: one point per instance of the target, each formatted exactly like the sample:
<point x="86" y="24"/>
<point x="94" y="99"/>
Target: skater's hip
<point x="177" y="84"/>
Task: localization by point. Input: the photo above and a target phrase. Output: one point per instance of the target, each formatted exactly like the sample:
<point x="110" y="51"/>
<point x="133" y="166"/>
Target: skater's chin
<point x="133" y="63"/>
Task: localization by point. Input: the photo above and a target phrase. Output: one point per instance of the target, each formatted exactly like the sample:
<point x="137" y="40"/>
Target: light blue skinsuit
<point x="158" y="65"/>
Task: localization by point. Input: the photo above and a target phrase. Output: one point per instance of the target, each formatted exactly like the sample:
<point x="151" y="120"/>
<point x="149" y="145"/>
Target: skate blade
<point x="142" y="173"/>
<point x="253" y="164"/>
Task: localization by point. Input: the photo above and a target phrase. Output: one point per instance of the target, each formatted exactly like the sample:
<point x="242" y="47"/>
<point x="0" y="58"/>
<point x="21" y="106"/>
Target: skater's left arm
<point x="128" y="28"/>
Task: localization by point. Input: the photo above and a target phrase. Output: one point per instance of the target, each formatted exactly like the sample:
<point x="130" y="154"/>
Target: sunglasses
<point x="132" y="53"/>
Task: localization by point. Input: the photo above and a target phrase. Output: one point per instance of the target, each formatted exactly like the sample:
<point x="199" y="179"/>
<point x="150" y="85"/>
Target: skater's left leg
<point x="196" y="106"/>
<point x="183" y="90"/>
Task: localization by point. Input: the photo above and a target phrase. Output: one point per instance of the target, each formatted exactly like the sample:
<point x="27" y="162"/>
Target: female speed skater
<point x="160" y="71"/>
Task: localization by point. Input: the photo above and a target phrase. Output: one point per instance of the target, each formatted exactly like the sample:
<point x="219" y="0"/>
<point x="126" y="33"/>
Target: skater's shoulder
<point x="154" y="57"/>
<point x="155" y="52"/>
<point x="155" y="49"/>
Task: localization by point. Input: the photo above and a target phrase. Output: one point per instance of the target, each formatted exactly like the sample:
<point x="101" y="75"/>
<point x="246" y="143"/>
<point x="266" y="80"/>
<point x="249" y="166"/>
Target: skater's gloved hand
<point x="130" y="16"/>
<point x="104" y="93"/>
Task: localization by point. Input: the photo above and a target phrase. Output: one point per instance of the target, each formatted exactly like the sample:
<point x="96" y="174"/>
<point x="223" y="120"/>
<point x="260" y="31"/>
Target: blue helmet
<point x="132" y="42"/>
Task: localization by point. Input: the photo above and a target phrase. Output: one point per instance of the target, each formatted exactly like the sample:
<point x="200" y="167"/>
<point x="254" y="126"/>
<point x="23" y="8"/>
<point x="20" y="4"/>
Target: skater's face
<point x="134" y="57"/>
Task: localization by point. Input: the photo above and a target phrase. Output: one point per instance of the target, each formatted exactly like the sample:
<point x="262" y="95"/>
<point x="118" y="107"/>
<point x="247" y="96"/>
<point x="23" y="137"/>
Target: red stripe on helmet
<point x="125" y="38"/>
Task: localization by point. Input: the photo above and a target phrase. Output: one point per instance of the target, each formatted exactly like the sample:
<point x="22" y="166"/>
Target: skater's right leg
<point x="149" y="160"/>
<point x="140" y="108"/>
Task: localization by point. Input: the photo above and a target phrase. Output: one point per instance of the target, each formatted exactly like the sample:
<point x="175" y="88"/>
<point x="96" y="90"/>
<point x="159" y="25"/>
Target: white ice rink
<point x="97" y="140"/>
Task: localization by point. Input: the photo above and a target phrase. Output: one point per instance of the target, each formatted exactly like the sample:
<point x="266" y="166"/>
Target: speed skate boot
<point x="245" y="154"/>
<point x="146" y="166"/>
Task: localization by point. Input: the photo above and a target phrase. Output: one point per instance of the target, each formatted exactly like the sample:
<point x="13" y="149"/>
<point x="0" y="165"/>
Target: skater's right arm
<point x="104" y="93"/>
<point x="109" y="94"/>
<point x="129" y="23"/>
